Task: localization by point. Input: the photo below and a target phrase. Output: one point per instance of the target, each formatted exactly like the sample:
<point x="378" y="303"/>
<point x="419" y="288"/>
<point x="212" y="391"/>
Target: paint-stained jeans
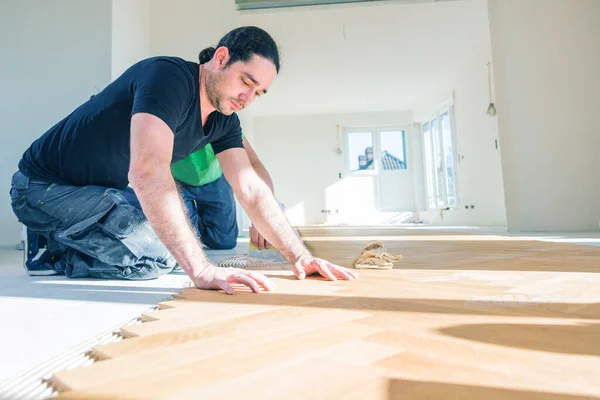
<point x="91" y="230"/>
<point x="211" y="209"/>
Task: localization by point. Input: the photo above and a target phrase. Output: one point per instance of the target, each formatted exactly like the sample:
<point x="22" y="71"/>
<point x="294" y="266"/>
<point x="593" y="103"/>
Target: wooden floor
<point x="459" y="317"/>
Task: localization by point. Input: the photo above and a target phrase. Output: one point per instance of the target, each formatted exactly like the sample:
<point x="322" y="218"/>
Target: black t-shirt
<point x="91" y="145"/>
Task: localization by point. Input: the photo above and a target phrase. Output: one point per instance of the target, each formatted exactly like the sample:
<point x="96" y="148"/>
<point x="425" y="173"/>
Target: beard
<point x="215" y="96"/>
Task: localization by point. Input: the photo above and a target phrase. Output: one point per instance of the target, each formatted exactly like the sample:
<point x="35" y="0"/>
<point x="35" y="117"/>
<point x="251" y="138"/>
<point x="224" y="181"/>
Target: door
<point x="395" y="180"/>
<point x="377" y="179"/>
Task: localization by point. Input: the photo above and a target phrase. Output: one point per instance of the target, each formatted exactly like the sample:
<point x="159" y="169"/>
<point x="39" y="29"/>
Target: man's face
<point x="232" y="88"/>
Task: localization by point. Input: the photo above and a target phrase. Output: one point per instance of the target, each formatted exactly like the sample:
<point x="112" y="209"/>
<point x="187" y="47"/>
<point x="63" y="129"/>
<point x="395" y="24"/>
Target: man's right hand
<point x="218" y="278"/>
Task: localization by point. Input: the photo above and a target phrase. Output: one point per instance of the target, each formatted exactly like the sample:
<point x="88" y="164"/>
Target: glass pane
<point x="438" y="162"/>
<point x="429" y="167"/>
<point x="448" y="157"/>
<point x="393" y="150"/>
<point x="360" y="151"/>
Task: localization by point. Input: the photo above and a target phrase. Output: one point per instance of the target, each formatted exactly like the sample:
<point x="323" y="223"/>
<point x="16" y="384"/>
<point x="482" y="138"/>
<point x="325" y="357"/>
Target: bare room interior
<point x="453" y="144"/>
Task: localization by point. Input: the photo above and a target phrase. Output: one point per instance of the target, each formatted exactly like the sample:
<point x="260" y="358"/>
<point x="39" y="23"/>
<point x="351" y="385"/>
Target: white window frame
<point x="432" y="198"/>
<point x="376" y="131"/>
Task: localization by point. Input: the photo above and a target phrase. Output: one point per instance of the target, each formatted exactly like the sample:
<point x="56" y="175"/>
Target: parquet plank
<point x="242" y="327"/>
<point x="165" y="358"/>
<point x="217" y="364"/>
<point x="460" y="316"/>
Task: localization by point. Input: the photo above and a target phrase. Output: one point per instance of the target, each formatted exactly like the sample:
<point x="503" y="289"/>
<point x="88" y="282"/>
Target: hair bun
<point x="206" y="55"/>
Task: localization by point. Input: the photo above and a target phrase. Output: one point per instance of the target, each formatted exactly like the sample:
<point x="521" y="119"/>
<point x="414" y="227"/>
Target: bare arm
<point x="262" y="172"/>
<point x="263" y="210"/>
<point x="258" y="165"/>
<point x="260" y="204"/>
<point x="151" y="179"/>
<point x="150" y="176"/>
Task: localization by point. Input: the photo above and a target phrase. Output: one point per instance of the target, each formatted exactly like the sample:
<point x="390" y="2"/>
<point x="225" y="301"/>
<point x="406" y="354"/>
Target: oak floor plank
<point x="217" y="364"/>
<point x="460" y="316"/>
<point x="166" y="358"/>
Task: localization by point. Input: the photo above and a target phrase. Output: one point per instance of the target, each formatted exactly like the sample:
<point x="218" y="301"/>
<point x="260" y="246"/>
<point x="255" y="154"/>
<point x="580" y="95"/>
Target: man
<point x="72" y="185"/>
<point x="209" y="198"/>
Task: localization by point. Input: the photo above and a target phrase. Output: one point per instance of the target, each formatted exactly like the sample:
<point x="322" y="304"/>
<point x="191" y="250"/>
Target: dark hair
<point x="243" y="43"/>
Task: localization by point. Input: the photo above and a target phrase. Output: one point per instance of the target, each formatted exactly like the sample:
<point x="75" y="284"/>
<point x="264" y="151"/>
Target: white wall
<point x="299" y="152"/>
<point x="336" y="59"/>
<point x="479" y="169"/>
<point x="357" y="58"/>
<point x="547" y="57"/>
<point x="131" y="33"/>
<point x="58" y="54"/>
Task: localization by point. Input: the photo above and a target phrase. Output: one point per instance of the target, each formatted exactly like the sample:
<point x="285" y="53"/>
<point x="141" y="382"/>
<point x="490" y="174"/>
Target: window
<point x="376" y="150"/>
<point x="448" y="158"/>
<point x="429" y="168"/>
<point x="360" y="151"/>
<point x="393" y="150"/>
<point x="440" y="159"/>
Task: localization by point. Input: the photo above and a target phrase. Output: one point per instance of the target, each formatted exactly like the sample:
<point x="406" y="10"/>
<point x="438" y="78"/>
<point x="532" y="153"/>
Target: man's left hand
<point x="258" y="240"/>
<point x="309" y="265"/>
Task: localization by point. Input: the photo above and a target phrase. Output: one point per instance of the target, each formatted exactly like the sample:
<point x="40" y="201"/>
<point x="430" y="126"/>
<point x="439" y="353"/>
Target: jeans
<point x="211" y="209"/>
<point x="91" y="230"/>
